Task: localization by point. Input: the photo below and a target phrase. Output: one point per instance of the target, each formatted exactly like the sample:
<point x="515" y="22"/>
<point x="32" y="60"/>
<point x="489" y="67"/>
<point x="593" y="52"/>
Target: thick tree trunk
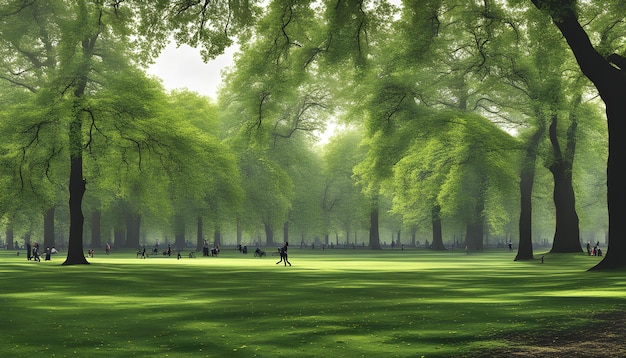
<point x="119" y="237"/>
<point x="527" y="179"/>
<point x="75" y="253"/>
<point x="217" y="238"/>
<point x="474" y="233"/>
<point x="611" y="84"/>
<point x="96" y="233"/>
<point x="9" y="235"/>
<point x="437" y="229"/>
<point x="286" y="231"/>
<point x="133" y="226"/>
<point x="269" y="235"/>
<point x="180" y="232"/>
<point x="239" y="233"/>
<point x="374" y="233"/>
<point x="48" y="228"/>
<point x="567" y="233"/>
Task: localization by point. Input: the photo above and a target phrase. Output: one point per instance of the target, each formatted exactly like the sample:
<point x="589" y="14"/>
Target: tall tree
<point x="606" y="71"/>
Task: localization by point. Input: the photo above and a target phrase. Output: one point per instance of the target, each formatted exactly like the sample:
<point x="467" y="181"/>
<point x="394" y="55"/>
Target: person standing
<point x="29" y="254"/>
<point x="107" y="248"/>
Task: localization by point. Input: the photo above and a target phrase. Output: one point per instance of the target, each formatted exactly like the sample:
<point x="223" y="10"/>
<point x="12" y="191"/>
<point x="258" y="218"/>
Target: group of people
<point x="206" y="251"/>
<point x="595" y="251"/>
<point x="32" y="254"/>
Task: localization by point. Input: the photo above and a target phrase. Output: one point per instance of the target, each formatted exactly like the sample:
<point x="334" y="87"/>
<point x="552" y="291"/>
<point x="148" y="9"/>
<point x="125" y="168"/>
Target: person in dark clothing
<point x="36" y="252"/>
<point x="283" y="254"/>
<point x="29" y="254"/>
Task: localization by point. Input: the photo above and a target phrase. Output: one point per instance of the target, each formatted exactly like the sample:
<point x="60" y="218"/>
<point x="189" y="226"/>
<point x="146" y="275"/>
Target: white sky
<point x="183" y="67"/>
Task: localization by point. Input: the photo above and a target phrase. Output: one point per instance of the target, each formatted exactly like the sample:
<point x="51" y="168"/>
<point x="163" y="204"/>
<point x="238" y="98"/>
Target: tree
<point x="606" y="73"/>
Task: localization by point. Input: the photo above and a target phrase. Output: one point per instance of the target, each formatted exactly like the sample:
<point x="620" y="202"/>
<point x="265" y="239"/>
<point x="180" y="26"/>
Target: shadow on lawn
<point x="604" y="335"/>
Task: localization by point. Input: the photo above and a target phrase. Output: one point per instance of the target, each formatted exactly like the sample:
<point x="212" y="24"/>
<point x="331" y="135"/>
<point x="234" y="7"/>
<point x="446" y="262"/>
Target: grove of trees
<point x="464" y="124"/>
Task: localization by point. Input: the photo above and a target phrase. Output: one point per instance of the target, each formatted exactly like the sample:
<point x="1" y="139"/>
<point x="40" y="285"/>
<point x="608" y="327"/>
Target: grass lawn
<point x="333" y="303"/>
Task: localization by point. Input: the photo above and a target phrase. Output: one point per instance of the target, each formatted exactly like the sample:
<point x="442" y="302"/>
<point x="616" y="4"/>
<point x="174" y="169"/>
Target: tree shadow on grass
<point x="603" y="335"/>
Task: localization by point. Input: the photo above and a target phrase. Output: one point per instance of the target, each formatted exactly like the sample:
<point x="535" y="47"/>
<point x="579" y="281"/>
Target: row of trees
<point x="434" y="90"/>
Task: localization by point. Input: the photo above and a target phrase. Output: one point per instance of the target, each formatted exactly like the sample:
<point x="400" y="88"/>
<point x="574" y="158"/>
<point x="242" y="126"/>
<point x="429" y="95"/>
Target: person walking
<point x="283" y="254"/>
<point x="36" y="252"/>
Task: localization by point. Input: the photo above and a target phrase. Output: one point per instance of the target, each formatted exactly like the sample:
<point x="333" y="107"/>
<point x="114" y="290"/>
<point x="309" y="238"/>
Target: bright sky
<point x="183" y="67"/>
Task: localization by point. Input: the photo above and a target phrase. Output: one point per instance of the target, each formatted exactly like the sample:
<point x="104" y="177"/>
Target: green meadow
<point x="332" y="303"/>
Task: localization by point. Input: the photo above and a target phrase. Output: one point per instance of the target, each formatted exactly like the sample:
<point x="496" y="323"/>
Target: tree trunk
<point x="119" y="237"/>
<point x="286" y="231"/>
<point x="527" y="179"/>
<point x="374" y="233"/>
<point x="96" y="234"/>
<point x="217" y="238"/>
<point x="75" y="253"/>
<point x="567" y="234"/>
<point x="133" y="225"/>
<point x="611" y="84"/>
<point x="269" y="235"/>
<point x="239" y="233"/>
<point x="199" y="239"/>
<point x="474" y="233"/>
<point x="437" y="230"/>
<point x="48" y="228"/>
<point x="10" y="235"/>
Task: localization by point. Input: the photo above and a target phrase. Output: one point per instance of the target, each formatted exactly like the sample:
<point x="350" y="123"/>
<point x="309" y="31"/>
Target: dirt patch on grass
<point x="604" y="336"/>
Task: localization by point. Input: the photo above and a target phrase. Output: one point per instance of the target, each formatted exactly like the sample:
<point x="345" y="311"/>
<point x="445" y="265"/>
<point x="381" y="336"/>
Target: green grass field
<point x="333" y="303"/>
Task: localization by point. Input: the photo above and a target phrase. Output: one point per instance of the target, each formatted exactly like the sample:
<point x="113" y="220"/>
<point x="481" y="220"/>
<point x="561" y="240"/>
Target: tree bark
<point x="269" y="234"/>
<point x="437" y="244"/>
<point x="374" y="233"/>
<point x="199" y="234"/>
<point x="217" y="238"/>
<point x="133" y="228"/>
<point x="611" y="84"/>
<point x="475" y="230"/>
<point x="10" y="235"/>
<point x="286" y="231"/>
<point x="527" y="179"/>
<point x="77" y="185"/>
<point x="567" y="233"/>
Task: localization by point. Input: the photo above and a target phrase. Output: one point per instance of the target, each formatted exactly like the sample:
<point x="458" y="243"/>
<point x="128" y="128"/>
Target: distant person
<point x="205" y="248"/>
<point x="588" y="248"/>
<point x="283" y="254"/>
<point x="54" y="250"/>
<point x="36" y="252"/>
<point x="107" y="248"/>
<point x="169" y="250"/>
<point x="48" y="253"/>
<point x="29" y="254"/>
<point x="510" y="246"/>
